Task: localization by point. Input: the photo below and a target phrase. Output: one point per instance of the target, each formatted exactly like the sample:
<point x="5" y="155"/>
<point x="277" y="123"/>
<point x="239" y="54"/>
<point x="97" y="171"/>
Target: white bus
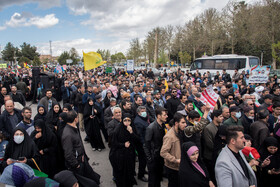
<point x="220" y="62"/>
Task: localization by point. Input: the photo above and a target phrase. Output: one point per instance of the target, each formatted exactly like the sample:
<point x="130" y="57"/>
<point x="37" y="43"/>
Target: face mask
<point x="195" y="122"/>
<point x="144" y="114"/>
<point x="18" y="139"/>
<point x="251" y="117"/>
<point x="238" y="115"/>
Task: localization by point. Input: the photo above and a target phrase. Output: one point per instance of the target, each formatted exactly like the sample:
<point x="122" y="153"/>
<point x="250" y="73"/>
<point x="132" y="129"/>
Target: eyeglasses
<point x="126" y="120"/>
<point x="174" y="92"/>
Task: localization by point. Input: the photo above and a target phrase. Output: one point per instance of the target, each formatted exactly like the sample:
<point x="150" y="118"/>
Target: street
<point x="100" y="160"/>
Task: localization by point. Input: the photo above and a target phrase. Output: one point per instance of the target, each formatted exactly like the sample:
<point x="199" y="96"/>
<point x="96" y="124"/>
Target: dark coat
<point x="258" y="131"/>
<point x="5" y="124"/>
<point x="151" y="112"/>
<point x="246" y="122"/>
<point x="108" y="114"/>
<point x="172" y="105"/>
<point x="153" y="140"/>
<point x="66" y="97"/>
<point x="141" y="124"/>
<point x="79" y="102"/>
<point x="18" y="97"/>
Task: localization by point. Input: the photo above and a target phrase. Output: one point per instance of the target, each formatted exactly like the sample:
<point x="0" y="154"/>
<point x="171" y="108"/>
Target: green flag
<point x="196" y="109"/>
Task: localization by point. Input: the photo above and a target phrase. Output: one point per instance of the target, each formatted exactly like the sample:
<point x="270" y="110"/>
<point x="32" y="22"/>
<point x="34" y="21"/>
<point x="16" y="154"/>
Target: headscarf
<point x="17" y="174"/>
<point x="52" y="116"/>
<point x="65" y="178"/>
<point x="46" y="137"/>
<point x="40" y="116"/>
<point x="68" y="106"/>
<point x="269" y="141"/>
<point x="190" y="151"/>
<point x="24" y="149"/>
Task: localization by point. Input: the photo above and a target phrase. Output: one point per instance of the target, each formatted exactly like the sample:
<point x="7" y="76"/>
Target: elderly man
<point x="9" y="119"/>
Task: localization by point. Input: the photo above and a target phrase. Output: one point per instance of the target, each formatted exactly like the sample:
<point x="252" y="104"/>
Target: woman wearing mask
<point x="192" y="171"/>
<point x="52" y="117"/>
<point x="92" y="125"/>
<point x="21" y="148"/>
<point x="46" y="142"/>
<point x="122" y="154"/>
<point x="270" y="172"/>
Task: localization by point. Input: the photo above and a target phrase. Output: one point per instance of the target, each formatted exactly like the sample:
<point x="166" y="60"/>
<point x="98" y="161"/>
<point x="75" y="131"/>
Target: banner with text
<point x="210" y="97"/>
<point x="130" y="66"/>
<point x="259" y="74"/>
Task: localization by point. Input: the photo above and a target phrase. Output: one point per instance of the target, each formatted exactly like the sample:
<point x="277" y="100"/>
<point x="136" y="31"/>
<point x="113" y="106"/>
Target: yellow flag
<point x="92" y="60"/>
<point x="166" y="85"/>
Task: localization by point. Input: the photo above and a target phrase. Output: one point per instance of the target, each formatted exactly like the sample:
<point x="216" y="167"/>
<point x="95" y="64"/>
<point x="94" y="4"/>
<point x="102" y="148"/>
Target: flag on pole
<point x="210" y="97"/>
<point x="197" y="109"/>
<point x="92" y="60"/>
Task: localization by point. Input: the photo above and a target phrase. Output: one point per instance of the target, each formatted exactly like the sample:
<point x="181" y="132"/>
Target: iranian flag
<point x="196" y="109"/>
<point x="251" y="153"/>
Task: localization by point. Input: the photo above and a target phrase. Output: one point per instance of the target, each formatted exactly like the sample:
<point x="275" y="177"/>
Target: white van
<point x="220" y="62"/>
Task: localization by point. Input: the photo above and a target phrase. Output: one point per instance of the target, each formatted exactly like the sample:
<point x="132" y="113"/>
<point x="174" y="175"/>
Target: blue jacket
<point x="141" y="124"/>
<point x="29" y="128"/>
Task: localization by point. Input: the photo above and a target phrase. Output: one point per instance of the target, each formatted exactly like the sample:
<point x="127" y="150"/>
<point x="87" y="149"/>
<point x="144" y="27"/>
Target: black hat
<point x="234" y="109"/>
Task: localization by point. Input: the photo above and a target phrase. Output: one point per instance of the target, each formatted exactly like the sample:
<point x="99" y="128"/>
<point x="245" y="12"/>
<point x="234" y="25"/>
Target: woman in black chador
<point x="46" y="142"/>
<point x="122" y="153"/>
<point x="92" y="125"/>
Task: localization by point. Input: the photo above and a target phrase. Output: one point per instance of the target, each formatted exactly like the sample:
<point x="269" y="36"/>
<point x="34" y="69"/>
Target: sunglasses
<point x="174" y="92"/>
<point x="230" y="98"/>
<point x="126" y="120"/>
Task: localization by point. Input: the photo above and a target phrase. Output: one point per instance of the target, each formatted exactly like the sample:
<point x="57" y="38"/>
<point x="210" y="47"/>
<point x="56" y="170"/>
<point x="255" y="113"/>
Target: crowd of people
<point x="157" y="120"/>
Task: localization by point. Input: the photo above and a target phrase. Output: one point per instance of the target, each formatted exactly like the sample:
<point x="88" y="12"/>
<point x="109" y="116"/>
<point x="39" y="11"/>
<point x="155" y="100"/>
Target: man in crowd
<point x="17" y="96"/>
<point x="48" y="100"/>
<point x="153" y="143"/>
<point x="27" y="123"/>
<point x="9" y="119"/>
<point x="231" y="167"/>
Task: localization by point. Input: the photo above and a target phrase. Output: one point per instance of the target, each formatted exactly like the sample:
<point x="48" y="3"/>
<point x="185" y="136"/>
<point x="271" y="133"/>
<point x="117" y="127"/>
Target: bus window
<point x="221" y="64"/>
<point x="232" y="64"/>
<point x="242" y="63"/>
<point x="196" y="65"/>
<point x="253" y="62"/>
<point x="208" y="64"/>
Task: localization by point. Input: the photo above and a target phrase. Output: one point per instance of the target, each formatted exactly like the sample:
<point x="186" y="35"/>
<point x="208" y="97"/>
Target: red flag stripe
<point x="208" y="98"/>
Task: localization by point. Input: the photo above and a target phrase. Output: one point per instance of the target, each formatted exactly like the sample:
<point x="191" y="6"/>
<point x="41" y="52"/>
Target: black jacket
<point x="153" y="140"/>
<point x="172" y="105"/>
<point x="72" y="146"/>
<point x="79" y="102"/>
<point x="5" y="124"/>
<point x="18" y="97"/>
<point x="64" y="89"/>
<point x="151" y="112"/>
<point x="246" y="122"/>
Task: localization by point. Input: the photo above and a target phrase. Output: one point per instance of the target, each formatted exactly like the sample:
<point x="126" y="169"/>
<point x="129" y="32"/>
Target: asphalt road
<point x="100" y="160"/>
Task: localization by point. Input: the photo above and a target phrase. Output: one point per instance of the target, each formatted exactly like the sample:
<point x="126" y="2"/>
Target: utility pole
<point x="156" y="49"/>
<point x="51" y="50"/>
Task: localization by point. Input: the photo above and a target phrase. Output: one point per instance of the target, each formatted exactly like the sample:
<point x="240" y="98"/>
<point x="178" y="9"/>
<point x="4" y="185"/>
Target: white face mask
<point x="251" y="117"/>
<point x="144" y="114"/>
<point x="18" y="139"/>
<point x="238" y="115"/>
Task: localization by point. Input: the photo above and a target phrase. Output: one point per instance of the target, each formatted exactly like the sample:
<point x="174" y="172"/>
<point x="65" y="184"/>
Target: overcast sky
<point x="91" y="24"/>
